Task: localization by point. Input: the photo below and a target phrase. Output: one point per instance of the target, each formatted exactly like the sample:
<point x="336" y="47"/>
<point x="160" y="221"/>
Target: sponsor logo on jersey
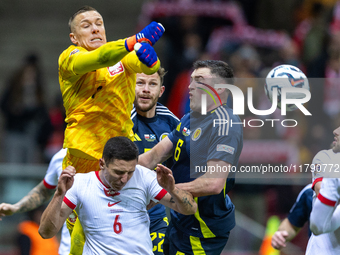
<point x="116" y="69"/>
<point x="74" y="52"/>
<point x="197" y="134"/>
<point x="116" y="210"/>
<point x="226" y="148"/>
<point x="111" y="193"/>
<point x="110" y="205"/>
<point x="163" y="136"/>
<point x="186" y="131"/>
<point x="150" y="137"/>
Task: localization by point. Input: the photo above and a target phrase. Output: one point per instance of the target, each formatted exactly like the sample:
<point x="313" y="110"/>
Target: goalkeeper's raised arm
<point x="97" y="81"/>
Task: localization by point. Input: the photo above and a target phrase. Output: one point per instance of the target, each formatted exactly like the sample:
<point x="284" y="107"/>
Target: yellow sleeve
<point x="132" y="63"/>
<point x="106" y="55"/>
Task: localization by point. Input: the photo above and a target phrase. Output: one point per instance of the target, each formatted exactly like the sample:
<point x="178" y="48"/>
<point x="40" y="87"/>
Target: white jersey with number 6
<point x="115" y="222"/>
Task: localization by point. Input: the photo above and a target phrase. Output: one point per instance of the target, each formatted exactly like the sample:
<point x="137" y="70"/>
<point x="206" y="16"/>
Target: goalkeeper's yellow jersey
<point x="98" y="103"/>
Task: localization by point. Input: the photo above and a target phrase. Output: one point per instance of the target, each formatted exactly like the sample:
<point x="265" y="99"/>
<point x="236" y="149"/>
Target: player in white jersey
<point x="325" y="216"/>
<point x="324" y="165"/>
<point x="111" y="203"/>
<point x="41" y="194"/>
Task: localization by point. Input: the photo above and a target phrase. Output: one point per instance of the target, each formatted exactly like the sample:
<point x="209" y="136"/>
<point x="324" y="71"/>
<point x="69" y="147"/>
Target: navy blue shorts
<point x="177" y="242"/>
<point x="157" y="232"/>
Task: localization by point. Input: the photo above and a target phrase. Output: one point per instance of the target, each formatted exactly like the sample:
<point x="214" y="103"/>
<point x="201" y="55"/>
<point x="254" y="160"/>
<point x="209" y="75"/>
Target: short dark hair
<point x="161" y="72"/>
<point x="220" y="68"/>
<point x="85" y="8"/>
<point x="119" y="147"/>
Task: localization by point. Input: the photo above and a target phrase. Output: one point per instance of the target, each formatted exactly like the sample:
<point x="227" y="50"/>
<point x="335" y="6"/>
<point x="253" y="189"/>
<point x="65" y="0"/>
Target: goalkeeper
<point x="97" y="81"/>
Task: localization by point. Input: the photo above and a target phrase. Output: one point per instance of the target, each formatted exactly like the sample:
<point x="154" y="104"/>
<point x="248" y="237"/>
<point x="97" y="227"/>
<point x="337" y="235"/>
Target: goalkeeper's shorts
<point x="81" y="164"/>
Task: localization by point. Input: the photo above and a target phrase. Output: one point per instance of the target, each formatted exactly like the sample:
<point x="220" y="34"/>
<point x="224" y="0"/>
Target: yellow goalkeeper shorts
<point x="82" y="165"/>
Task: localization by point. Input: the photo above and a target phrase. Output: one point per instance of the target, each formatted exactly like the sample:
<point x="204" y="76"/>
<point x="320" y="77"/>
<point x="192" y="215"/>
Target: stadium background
<point x="252" y="36"/>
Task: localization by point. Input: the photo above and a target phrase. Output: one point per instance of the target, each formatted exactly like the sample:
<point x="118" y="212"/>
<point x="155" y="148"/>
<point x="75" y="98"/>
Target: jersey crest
<point x="163" y="136"/>
<point x="116" y="69"/>
<point x="111" y="193"/>
<point x="197" y="134"/>
<point x="74" y="52"/>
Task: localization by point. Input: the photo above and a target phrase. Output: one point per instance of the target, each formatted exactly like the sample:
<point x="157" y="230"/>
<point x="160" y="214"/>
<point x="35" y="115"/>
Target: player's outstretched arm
<point x="284" y="234"/>
<point x="112" y="52"/>
<point x="158" y="154"/>
<point x="176" y="199"/>
<point x="211" y="183"/>
<point x="57" y="211"/>
<point x="36" y="197"/>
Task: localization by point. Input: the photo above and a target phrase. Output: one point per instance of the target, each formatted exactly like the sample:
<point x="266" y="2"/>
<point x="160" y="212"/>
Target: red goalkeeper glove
<point x="150" y="34"/>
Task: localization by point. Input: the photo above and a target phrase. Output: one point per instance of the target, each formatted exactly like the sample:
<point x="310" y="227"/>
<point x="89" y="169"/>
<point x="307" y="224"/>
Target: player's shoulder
<point x="59" y="155"/>
<point x="133" y="113"/>
<point x="86" y="177"/>
<point x="141" y="170"/>
<point x="165" y="114"/>
<point x="306" y="191"/>
<point x="55" y="165"/>
<point x="330" y="183"/>
<point x="70" y="51"/>
<point x="143" y="175"/>
<point x="226" y="121"/>
<point x="323" y="156"/>
<point x="226" y="112"/>
<point x="186" y="117"/>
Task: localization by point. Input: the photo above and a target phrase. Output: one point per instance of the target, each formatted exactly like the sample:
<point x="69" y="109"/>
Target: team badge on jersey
<point x="150" y="137"/>
<point x="116" y="69"/>
<point x="72" y="217"/>
<point x="74" y="52"/>
<point x="226" y="148"/>
<point x="163" y="136"/>
<point x="186" y="131"/>
<point x="197" y="134"/>
<point x="111" y="192"/>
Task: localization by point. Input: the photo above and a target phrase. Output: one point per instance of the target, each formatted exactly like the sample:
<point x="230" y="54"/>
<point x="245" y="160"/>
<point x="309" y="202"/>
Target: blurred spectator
<point x="331" y="104"/>
<point x="57" y="116"/>
<point x="29" y="240"/>
<point x="290" y="54"/>
<point x="316" y="37"/>
<point x="27" y="124"/>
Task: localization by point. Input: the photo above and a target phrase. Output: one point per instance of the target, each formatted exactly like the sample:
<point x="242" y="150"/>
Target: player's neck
<point x="149" y="114"/>
<point x="103" y="179"/>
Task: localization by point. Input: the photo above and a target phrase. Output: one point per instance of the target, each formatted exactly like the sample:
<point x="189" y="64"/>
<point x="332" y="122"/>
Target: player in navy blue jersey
<point x="297" y="217"/>
<point x="152" y="122"/>
<point x="203" y="153"/>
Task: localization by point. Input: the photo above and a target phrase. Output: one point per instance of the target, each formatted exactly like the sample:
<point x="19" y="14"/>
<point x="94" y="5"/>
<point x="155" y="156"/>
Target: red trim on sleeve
<point x="49" y="186"/>
<point x="69" y="203"/>
<point x="161" y="194"/>
<point x="326" y="201"/>
<point x="316" y="181"/>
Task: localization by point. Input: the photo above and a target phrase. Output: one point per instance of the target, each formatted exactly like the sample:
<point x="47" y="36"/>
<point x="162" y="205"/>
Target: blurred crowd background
<point x="253" y="36"/>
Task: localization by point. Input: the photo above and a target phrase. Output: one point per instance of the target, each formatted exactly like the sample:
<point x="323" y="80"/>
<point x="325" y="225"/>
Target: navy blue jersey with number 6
<point x="196" y="140"/>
